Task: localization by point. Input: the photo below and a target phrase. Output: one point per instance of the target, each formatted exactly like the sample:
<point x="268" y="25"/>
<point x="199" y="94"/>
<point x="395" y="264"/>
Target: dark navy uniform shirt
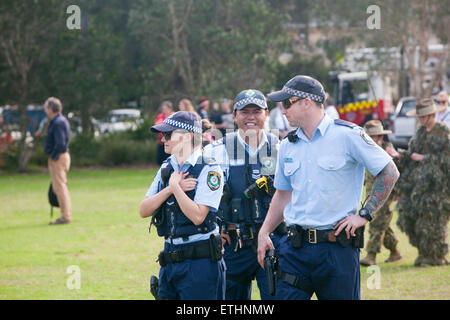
<point x="57" y="137"/>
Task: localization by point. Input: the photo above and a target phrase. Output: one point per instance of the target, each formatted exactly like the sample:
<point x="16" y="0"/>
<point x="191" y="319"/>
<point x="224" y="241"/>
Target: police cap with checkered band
<point x="250" y="97"/>
<point x="300" y="86"/>
<point x="180" y="120"/>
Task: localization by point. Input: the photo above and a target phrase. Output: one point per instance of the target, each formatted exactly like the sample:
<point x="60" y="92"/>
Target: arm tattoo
<point x="382" y="187"/>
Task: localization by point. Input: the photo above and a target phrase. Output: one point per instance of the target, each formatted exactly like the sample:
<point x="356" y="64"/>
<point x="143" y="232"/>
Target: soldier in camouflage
<point x="380" y="233"/>
<point x="424" y="204"/>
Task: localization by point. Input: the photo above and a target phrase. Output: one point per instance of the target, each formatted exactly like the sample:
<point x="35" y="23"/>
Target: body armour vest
<point x="235" y="207"/>
<point x="170" y="221"/>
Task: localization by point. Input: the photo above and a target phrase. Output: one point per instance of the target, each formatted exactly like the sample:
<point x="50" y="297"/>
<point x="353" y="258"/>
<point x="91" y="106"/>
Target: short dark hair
<point x="54" y="104"/>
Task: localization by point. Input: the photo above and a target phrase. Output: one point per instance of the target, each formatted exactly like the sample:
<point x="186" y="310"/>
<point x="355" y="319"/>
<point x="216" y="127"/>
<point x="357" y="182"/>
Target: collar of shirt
<point x="54" y="118"/>
<point x="191" y="160"/>
<point x="247" y="147"/>
<point x="321" y="128"/>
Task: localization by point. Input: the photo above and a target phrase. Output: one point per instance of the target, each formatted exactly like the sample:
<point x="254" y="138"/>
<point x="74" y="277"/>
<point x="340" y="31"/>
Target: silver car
<point x="402" y="126"/>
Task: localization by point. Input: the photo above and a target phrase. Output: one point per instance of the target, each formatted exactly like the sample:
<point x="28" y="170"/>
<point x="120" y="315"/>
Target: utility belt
<point x="248" y="236"/>
<point x="297" y="235"/>
<point x="211" y="248"/>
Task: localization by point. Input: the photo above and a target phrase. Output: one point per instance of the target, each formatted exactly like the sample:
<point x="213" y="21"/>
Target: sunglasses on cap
<point x="289" y="102"/>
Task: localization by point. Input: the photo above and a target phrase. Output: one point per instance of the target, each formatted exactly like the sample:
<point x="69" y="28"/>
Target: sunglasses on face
<point x="441" y="101"/>
<point x="289" y="102"/>
<point x="167" y="135"/>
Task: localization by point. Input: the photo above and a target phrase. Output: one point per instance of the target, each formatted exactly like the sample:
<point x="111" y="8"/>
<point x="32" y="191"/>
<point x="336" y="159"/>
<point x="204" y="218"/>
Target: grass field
<point x="115" y="254"/>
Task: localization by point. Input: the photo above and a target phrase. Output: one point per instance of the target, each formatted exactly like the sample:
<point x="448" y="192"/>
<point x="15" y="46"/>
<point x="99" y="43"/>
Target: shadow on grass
<point x="29" y="226"/>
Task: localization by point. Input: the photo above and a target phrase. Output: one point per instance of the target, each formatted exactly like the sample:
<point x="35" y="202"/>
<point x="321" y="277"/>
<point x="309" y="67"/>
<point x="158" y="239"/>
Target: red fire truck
<point x="361" y="96"/>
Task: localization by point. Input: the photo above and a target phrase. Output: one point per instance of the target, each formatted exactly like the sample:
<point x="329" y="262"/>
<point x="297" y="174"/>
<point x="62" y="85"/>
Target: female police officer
<point x="182" y="201"/>
<point x="319" y="181"/>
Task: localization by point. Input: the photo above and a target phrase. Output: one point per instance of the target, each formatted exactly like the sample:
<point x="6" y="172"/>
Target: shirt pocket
<point x="290" y="168"/>
<point x="331" y="175"/>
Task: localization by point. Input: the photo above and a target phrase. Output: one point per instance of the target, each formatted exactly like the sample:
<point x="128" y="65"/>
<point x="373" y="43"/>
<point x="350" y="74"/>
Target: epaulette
<point x="344" y="123"/>
<point x="209" y="160"/>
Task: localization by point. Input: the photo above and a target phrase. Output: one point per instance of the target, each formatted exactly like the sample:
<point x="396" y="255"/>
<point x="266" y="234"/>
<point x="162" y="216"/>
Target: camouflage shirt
<point x="427" y="180"/>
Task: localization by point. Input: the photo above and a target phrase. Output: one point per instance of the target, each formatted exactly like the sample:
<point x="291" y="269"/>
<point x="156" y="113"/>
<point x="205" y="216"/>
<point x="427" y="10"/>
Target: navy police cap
<point x="250" y="96"/>
<point x="300" y="86"/>
<point x="180" y="120"/>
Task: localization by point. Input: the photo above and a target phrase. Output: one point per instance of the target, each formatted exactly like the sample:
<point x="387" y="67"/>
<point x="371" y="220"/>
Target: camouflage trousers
<point x="380" y="233"/>
<point x="426" y="230"/>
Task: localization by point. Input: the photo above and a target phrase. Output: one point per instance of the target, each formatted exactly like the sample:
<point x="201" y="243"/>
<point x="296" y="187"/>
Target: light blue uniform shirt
<point x="204" y="195"/>
<point x="218" y="151"/>
<point x="326" y="173"/>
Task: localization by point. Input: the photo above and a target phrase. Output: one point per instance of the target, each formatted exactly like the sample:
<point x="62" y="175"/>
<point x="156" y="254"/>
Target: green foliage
<point x="124" y="148"/>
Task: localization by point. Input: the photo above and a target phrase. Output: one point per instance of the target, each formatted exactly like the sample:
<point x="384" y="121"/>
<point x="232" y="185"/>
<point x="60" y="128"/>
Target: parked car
<point x="402" y="126"/>
<point x="120" y="120"/>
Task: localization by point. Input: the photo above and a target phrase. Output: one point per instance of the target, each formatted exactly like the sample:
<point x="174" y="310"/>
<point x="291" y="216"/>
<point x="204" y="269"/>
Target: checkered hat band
<point x="182" y="125"/>
<point x="246" y="101"/>
<point x="303" y="95"/>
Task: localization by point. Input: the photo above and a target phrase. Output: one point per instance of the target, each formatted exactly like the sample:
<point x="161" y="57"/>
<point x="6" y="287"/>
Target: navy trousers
<point x="332" y="271"/>
<point x="199" y="279"/>
<point x="243" y="264"/>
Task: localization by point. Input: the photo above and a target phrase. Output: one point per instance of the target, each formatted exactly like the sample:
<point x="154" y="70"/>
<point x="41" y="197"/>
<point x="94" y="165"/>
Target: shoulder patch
<point x="344" y="123"/>
<point x="367" y="139"/>
<point x="213" y="180"/>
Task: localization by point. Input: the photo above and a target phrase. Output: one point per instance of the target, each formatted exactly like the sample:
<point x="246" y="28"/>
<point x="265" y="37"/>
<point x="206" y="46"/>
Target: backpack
<point x="52" y="199"/>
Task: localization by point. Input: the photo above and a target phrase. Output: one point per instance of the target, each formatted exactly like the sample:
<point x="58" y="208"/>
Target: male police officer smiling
<point x="248" y="159"/>
<point x="318" y="183"/>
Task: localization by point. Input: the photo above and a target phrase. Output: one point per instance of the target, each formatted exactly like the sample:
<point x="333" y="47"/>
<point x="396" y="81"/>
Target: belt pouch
<point x="215" y="247"/>
<point x="235" y="209"/>
<point x="295" y="235"/>
<point x="358" y="240"/>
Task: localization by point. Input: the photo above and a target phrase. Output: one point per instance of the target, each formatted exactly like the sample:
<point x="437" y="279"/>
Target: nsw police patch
<point x="367" y="138"/>
<point x="213" y="180"/>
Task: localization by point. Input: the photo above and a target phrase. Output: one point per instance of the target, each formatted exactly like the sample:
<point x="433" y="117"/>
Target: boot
<point x="422" y="261"/>
<point x="369" y="260"/>
<point x="394" y="256"/>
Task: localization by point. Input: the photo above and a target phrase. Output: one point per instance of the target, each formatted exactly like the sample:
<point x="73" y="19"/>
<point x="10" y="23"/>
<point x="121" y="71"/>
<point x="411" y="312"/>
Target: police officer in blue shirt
<point x="318" y="183"/>
<point x="183" y="200"/>
<point x="248" y="158"/>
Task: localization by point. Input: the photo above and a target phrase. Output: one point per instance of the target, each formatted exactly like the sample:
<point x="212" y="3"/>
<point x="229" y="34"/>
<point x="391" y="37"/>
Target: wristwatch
<point x="364" y="213"/>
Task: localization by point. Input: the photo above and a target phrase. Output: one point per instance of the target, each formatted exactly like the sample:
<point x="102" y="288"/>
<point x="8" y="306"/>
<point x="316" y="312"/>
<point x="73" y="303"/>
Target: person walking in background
<point x="424" y="204"/>
<point x="57" y="148"/>
<point x="380" y="233"/>
<point x="166" y="109"/>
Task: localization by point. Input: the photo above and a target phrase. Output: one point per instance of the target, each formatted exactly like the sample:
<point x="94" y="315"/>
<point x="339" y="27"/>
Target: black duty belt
<point x="211" y="248"/>
<point x="297" y="235"/>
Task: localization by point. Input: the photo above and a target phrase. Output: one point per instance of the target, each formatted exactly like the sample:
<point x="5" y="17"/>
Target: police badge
<point x="268" y="165"/>
<point x="213" y="180"/>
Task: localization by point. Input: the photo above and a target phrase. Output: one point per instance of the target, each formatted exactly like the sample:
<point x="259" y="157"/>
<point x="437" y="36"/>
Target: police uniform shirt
<point x="326" y="173"/>
<point x="218" y="151"/>
<point x="208" y="190"/>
